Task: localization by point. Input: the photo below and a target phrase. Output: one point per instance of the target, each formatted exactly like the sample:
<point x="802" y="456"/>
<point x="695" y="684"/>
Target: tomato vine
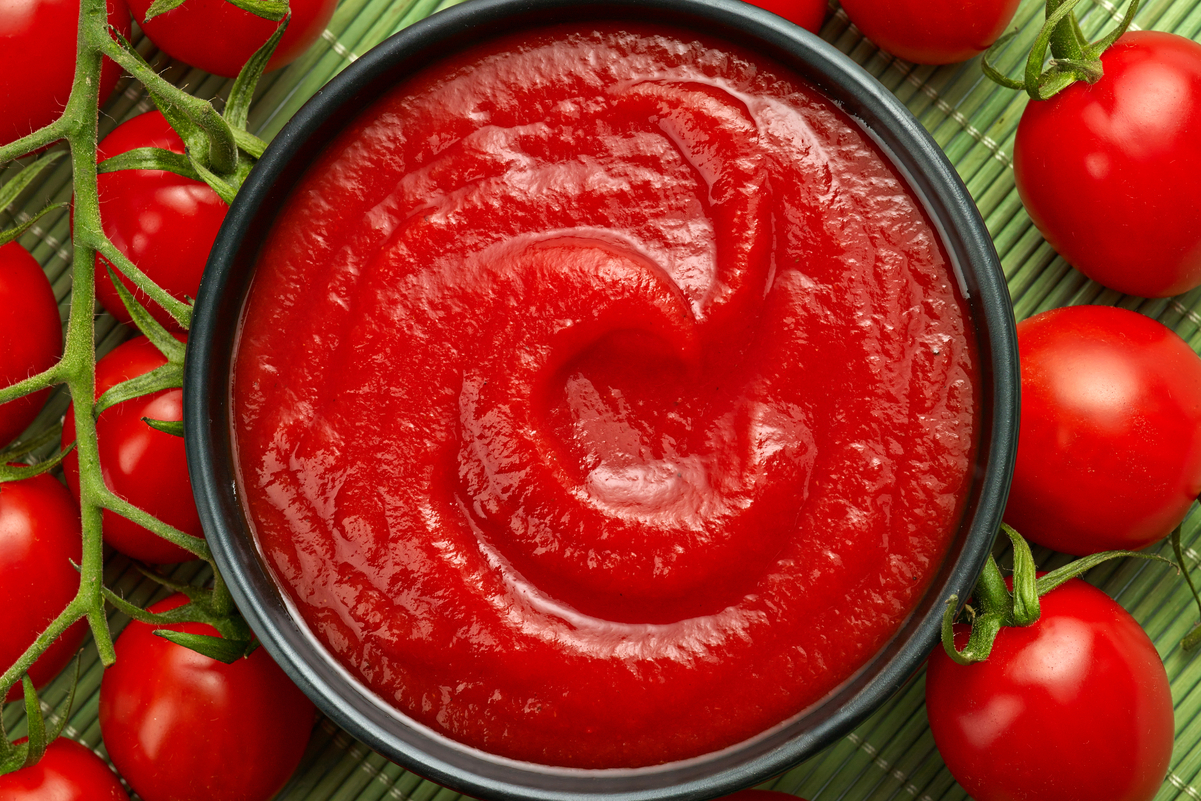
<point x="219" y="151"/>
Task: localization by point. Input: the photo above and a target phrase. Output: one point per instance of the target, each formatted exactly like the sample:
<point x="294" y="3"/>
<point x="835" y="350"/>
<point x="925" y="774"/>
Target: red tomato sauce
<point x="604" y="398"/>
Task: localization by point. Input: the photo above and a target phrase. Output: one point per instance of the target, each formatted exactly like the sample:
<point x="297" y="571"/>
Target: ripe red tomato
<point x="163" y="222"/>
<point x="37" y="61"/>
<point x="1076" y="707"/>
<point x="31" y="335"/>
<point x="183" y="727"/>
<point x="242" y="33"/>
<point x="1109" y="451"/>
<point x="809" y="14"/>
<point x="932" y="31"/>
<point x="146" y="467"/>
<point x="1106" y="171"/>
<point x="39" y="539"/>
<point x="67" y="771"/>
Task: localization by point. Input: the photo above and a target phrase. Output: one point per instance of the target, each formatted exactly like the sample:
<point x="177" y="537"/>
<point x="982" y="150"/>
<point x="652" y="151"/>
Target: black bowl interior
<point x="915" y="155"/>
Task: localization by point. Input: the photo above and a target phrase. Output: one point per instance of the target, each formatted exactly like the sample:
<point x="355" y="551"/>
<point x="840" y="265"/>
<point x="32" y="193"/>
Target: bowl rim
<point x="904" y="142"/>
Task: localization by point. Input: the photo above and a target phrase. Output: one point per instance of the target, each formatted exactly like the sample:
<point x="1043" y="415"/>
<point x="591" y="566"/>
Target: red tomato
<point x="1107" y="171"/>
<point x="39" y="539"/>
<point x="809" y="14"/>
<point x="37" y="61"/>
<point x="242" y="33"/>
<point x="31" y="335"/>
<point x="932" y="31"/>
<point x="146" y="467"/>
<point x="67" y="771"/>
<point x="1076" y="707"/>
<point x="163" y="222"/>
<point x="1109" y="451"/>
<point x="183" y="727"/>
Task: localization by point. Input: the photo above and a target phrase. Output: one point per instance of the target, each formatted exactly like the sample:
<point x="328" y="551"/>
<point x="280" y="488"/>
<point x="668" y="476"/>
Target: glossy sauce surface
<point x="603" y="397"/>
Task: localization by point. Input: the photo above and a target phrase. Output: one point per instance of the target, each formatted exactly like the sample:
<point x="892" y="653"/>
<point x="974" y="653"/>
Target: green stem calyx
<point x="997" y="606"/>
<point x="1060" y="55"/>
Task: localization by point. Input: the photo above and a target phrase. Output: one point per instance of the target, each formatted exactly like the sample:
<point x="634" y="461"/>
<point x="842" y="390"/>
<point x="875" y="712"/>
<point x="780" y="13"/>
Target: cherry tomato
<point x="37" y="61"/>
<point x="144" y="466"/>
<point x="1076" y="707"/>
<point x="39" y="539"/>
<point x="1109" y="450"/>
<point x="31" y="335"/>
<point x="242" y="33"/>
<point x="183" y="727"/>
<point x="67" y="771"/>
<point x="809" y="14"/>
<point x="1107" y="171"/>
<point x="932" y="31"/>
<point x="163" y="222"/>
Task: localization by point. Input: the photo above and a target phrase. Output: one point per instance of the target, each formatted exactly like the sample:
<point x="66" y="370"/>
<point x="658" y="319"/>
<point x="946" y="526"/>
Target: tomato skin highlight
<point x="146" y="467"/>
<point x="183" y="727"/>
<point x="39" y="539"/>
<point x="809" y="14"/>
<point x="1076" y="707"/>
<point x="1107" y="171"/>
<point x="38" y="41"/>
<point x="1109" y="450"/>
<point x="932" y="31"/>
<point x="31" y="335"/>
<point x="67" y="771"/>
<point x="242" y="33"/>
<point x="163" y="222"/>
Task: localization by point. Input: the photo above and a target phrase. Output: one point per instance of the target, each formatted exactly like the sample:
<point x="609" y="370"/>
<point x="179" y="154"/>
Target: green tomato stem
<point x="998" y="607"/>
<point x="1066" y="38"/>
<point x="213" y="145"/>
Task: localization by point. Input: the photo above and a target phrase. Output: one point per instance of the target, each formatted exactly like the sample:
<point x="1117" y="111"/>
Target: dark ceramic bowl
<point x="207" y="389"/>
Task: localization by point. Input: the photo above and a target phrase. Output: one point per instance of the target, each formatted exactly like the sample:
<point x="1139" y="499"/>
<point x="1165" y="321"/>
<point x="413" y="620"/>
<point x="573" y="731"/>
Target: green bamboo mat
<point x="892" y="755"/>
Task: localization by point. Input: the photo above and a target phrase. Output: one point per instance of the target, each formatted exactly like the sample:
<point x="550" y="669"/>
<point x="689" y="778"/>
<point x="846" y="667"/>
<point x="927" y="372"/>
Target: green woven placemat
<point x="892" y="755"/>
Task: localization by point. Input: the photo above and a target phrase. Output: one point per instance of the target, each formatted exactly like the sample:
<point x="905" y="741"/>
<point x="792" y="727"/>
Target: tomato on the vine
<point x="809" y="14"/>
<point x="67" y="771"/>
<point x="1075" y="707"/>
<point x="144" y="466"/>
<point x="242" y="33"/>
<point x="39" y="541"/>
<point x="932" y="31"/>
<point x="1109" y="451"/>
<point x="163" y="222"/>
<point x="1107" y="170"/>
<point x="31" y="335"/>
<point x="38" y="41"/>
<point x="183" y="727"/>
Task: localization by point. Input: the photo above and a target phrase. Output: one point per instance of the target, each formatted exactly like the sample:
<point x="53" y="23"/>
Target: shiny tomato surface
<point x="1076" y="707"/>
<point x="1109" y="451"/>
<point x="809" y="14"/>
<point x="1107" y="171"/>
<point x="241" y="33"/>
<point x="67" y="771"/>
<point x="39" y="541"/>
<point x="932" y="31"/>
<point x="144" y="466"/>
<point x="181" y="726"/>
<point x="37" y="61"/>
<point x="163" y="222"/>
<point x="596" y="375"/>
<point x="31" y="334"/>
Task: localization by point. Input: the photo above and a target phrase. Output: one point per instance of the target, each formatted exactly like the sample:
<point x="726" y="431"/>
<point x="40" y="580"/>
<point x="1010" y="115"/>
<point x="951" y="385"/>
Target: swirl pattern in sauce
<point x="603" y="398"/>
